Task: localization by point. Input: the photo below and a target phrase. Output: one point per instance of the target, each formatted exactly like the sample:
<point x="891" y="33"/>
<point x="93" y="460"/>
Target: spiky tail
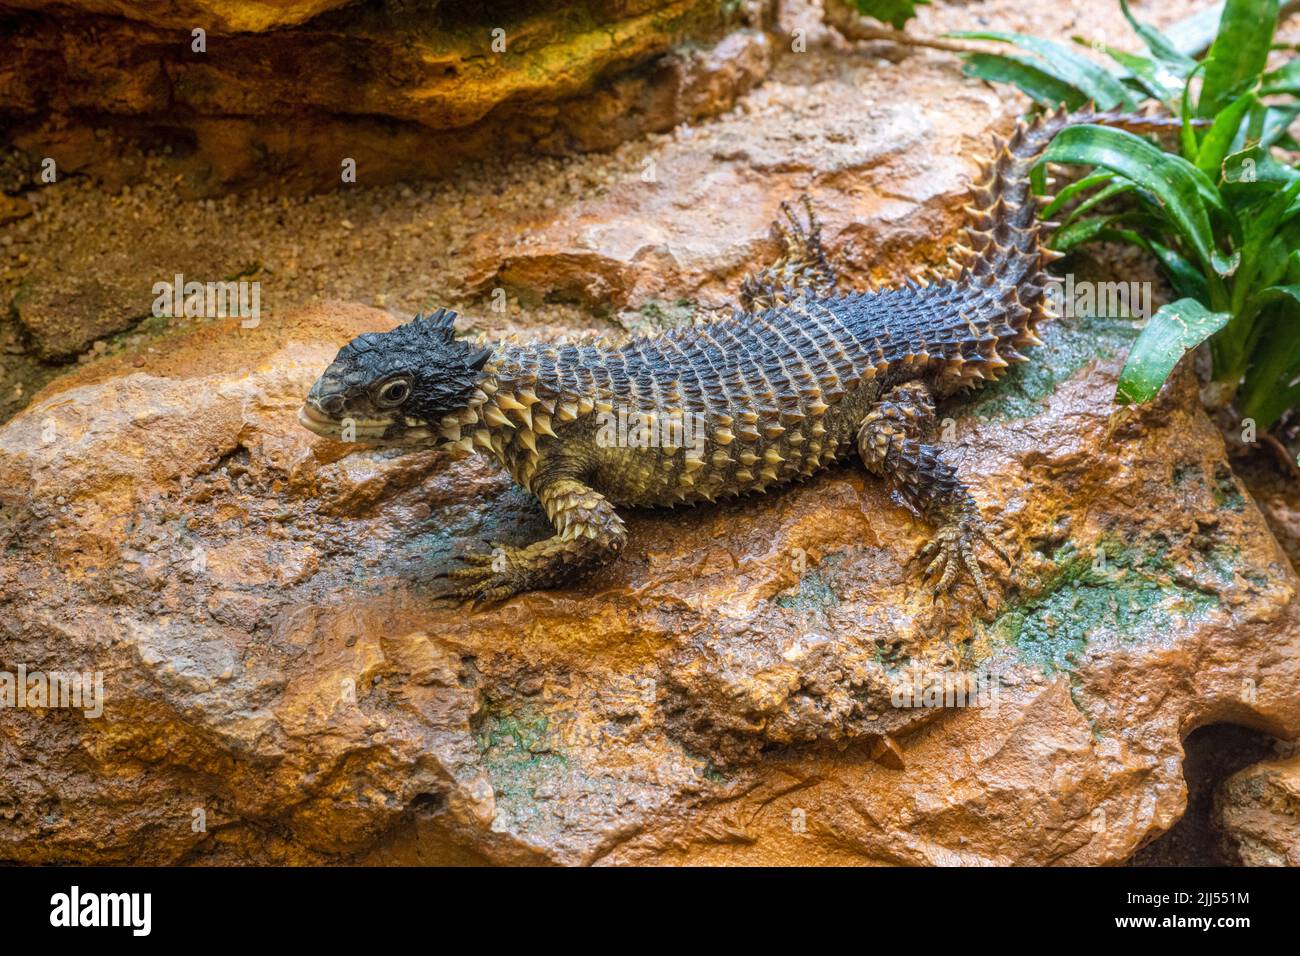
<point x="1005" y="243"/>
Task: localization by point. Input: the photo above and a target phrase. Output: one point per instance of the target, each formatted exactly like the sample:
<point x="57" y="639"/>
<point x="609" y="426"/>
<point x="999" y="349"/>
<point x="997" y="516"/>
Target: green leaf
<point x="1275" y="122"/>
<point x="1117" y="188"/>
<point x="1187" y="130"/>
<point x="1285" y="79"/>
<point x="1272" y="261"/>
<point x="894" y="12"/>
<point x="1068" y="67"/>
<point x="1081" y="231"/>
<point x="1186" y="279"/>
<point x="1174" y="329"/>
<point x="1178" y="186"/>
<point x="1239" y="53"/>
<point x="1161" y="47"/>
<point x="1041" y="87"/>
<point x="1278" y="293"/>
<point x="1222" y="133"/>
<point x="1154" y="77"/>
<point x="1073" y="189"/>
<point x="1272" y="381"/>
<point x="1193" y="35"/>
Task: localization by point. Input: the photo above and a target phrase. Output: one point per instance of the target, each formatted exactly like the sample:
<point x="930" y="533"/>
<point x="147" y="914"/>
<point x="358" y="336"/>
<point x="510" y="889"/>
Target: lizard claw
<point x="952" y="550"/>
<point x="486" y="578"/>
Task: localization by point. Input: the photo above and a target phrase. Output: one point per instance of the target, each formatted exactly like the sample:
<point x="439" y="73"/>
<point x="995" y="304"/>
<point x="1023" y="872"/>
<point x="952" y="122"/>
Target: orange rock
<point x="1258" y="812"/>
<point x="241" y="16"/>
<point x="274" y="668"/>
<point x="281" y="94"/>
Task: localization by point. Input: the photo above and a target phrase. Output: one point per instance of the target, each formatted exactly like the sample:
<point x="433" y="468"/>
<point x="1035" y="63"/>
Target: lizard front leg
<point x="890" y="443"/>
<point x="589" y="532"/>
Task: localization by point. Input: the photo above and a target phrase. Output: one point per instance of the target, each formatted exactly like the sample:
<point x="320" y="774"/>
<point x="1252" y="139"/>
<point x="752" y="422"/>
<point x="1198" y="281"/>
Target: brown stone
<point x="282" y="95"/>
<point x="241" y="16"/>
<point x="759" y="682"/>
<point x="1258" y="812"/>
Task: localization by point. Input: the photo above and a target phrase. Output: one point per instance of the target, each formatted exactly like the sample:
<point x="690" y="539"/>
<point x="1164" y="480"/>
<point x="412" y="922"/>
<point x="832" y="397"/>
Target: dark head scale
<point x="396" y="386"/>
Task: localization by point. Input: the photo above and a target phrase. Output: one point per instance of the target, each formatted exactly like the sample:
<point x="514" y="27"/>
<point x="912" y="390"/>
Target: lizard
<point x="798" y="377"/>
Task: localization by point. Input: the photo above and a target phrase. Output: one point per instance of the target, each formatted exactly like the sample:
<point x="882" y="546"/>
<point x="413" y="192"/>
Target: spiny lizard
<point x="796" y="378"/>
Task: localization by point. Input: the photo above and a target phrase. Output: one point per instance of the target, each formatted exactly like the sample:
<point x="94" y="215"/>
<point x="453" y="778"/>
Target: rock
<point x="281" y="95"/>
<point x="1258" y="811"/>
<point x="13" y="208"/>
<point x="885" y="177"/>
<point x="64" y="311"/>
<point x="258" y="603"/>
<point x="242" y="16"/>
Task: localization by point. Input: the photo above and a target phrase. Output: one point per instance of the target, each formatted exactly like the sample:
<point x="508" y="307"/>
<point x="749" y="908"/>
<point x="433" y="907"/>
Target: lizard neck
<point x="526" y="401"/>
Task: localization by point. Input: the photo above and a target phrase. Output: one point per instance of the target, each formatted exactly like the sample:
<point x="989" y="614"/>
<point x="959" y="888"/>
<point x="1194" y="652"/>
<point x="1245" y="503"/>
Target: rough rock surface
<point x="280" y="96"/>
<point x="1259" y="813"/>
<point x="258" y="601"/>
<point x="218" y="15"/>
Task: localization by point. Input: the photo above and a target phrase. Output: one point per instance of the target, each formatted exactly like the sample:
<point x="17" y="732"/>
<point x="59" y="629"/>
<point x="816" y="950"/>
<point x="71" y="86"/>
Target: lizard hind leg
<point x="804" y="266"/>
<point x="890" y="444"/>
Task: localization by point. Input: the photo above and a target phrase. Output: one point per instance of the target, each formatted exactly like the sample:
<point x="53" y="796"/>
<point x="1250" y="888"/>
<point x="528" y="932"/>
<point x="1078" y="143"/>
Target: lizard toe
<point x="952" y="552"/>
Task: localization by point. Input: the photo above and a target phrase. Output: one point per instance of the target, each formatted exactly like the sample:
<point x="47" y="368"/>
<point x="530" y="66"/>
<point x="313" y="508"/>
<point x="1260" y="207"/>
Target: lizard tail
<point x="1005" y="246"/>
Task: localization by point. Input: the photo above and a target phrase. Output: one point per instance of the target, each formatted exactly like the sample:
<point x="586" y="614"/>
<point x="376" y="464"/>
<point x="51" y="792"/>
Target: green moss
<point x="815" y="591"/>
<point x="518" y="753"/>
<point x="1227" y="493"/>
<point x="707" y="770"/>
<point x="1224" y="563"/>
<point x="1068" y="346"/>
<point x="714" y="776"/>
<point x="1123" y="594"/>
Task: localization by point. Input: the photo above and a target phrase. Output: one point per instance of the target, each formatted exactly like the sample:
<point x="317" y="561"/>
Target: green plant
<point x="1221" y="215"/>
<point x="893" y="12"/>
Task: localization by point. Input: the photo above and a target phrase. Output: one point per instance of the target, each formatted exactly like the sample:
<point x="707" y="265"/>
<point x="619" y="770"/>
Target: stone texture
<point x="220" y="17"/>
<point x="259" y="603"/>
<point x="280" y="96"/>
<point x="1258" y="811"/>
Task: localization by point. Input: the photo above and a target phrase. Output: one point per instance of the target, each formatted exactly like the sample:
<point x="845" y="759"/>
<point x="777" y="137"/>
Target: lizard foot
<point x="952" y="549"/>
<point x="487" y="578"/>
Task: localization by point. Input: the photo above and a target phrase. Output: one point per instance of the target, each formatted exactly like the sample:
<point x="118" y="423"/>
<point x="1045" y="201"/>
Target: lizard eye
<point x="393" y="393"/>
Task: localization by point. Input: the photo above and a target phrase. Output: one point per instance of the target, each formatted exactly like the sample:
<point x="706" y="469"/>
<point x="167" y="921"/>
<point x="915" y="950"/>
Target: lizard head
<point x="396" y="387"/>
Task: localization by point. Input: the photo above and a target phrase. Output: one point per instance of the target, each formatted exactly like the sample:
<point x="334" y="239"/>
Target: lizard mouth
<point x="384" y="431"/>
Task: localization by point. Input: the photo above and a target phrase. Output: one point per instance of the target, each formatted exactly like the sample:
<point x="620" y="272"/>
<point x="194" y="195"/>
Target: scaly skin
<point x="798" y="380"/>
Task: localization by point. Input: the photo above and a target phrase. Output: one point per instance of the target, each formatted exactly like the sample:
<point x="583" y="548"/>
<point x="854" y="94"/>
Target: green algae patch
<point x="1227" y="493"/>
<point x="518" y="754"/>
<point x="1068" y="346"/>
<point x="816" y="592"/>
<point x="1119" y="593"/>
